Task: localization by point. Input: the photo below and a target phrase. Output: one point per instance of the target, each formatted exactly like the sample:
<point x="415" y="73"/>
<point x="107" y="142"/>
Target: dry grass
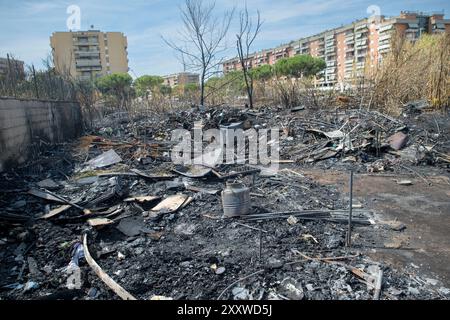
<point x="414" y="71"/>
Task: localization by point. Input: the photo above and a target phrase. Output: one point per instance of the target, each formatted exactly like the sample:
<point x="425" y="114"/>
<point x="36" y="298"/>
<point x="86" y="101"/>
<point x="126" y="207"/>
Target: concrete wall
<point x="24" y="123"/>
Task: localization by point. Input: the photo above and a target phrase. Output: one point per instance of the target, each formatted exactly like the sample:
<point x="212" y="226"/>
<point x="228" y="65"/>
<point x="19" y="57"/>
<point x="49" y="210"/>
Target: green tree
<point x="146" y="84"/>
<point x="165" y="90"/>
<point x="231" y="84"/>
<point x="262" y="73"/>
<point x="191" y="88"/>
<point x="117" y="85"/>
<point x="298" y="66"/>
<point x="234" y="80"/>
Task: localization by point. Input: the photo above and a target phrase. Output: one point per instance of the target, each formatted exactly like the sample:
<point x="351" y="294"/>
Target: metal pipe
<point x="349" y="233"/>
<point x="260" y="245"/>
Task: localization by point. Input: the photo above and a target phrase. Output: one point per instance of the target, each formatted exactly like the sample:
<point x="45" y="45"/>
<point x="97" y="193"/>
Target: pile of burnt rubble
<point x="366" y="141"/>
<point x="109" y="216"/>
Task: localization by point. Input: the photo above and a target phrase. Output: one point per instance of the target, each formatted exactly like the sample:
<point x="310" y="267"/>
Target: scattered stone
<point x="398" y="140"/>
<point x="185" y="229"/>
<point x="291" y="289"/>
<point x="93" y="293"/>
<point x="273" y="263"/>
<point x="334" y="241"/>
<point x="292" y="220"/>
<point x="241" y="294"/>
<point x="309" y="287"/>
<point x="220" y="270"/>
<point x="405" y="182"/>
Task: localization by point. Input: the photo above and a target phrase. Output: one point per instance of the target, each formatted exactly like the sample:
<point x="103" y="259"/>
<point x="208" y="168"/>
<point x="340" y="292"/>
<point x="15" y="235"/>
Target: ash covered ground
<point x="193" y="252"/>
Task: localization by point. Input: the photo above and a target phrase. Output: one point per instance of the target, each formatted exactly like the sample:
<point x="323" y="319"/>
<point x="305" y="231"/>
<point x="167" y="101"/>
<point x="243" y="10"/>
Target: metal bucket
<point x="235" y="200"/>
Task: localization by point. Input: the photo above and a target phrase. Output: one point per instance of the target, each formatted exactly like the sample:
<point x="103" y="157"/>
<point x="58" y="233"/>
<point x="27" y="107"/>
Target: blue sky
<point x="27" y="25"/>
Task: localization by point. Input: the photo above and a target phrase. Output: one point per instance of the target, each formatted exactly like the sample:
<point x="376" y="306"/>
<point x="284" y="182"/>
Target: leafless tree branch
<point x="245" y="38"/>
<point x="201" y="39"/>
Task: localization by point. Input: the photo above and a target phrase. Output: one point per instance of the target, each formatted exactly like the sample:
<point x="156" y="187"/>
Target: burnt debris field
<point x="109" y="216"/>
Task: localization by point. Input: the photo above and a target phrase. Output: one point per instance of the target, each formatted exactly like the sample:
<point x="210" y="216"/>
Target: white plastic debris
<point x="105" y="159"/>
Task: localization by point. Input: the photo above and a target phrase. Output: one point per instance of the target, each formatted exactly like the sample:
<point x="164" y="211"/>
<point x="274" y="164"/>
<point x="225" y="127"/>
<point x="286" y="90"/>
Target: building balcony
<point x="89" y="68"/>
<point x="382" y="47"/>
<point x="361" y="27"/>
<point x="83" y="54"/>
<point x="385" y="37"/>
<point x="361" y="42"/>
<point x="88" y="63"/>
<point x="86" y="42"/>
<point x="386" y="28"/>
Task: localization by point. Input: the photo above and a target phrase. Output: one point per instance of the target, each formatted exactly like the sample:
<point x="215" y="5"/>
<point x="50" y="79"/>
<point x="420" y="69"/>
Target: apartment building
<point x="182" y="78"/>
<point x="352" y="50"/>
<point x="15" y="65"/>
<point x="89" y="54"/>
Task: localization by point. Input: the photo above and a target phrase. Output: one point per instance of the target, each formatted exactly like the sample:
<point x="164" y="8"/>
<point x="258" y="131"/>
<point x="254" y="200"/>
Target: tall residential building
<point x="351" y="50"/>
<point x="14" y="65"/>
<point x="89" y="54"/>
<point x="182" y="78"/>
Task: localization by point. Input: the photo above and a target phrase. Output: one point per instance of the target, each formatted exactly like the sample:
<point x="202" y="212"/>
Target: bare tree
<point x="201" y="40"/>
<point x="245" y="38"/>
